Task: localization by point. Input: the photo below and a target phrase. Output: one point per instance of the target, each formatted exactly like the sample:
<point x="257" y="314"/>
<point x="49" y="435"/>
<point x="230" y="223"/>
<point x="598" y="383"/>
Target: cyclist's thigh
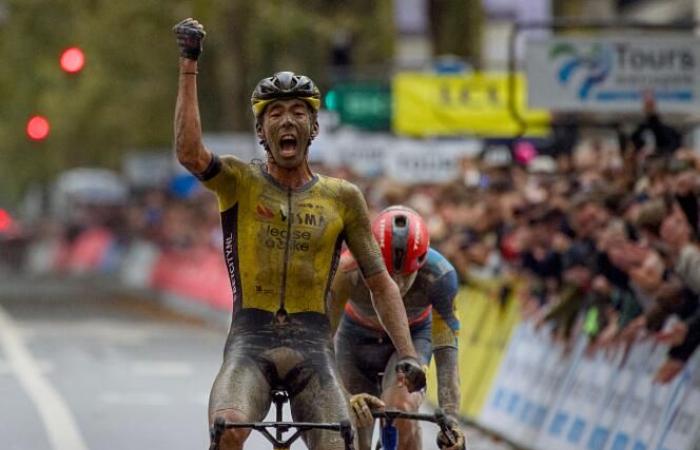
<point x="240" y="387"/>
<point x="321" y="400"/>
<point x="354" y="378"/>
<point x="361" y="355"/>
<point x="424" y="348"/>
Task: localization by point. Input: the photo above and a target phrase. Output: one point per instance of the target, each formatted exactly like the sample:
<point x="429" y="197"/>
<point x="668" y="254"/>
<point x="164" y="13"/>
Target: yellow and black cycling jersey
<point x="282" y="245"/>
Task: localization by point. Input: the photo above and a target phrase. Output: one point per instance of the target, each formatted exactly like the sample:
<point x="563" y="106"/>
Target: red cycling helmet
<point x="403" y="238"/>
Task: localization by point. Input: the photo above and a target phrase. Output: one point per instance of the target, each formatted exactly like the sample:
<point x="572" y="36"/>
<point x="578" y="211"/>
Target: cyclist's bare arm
<point x="446" y="362"/>
<point x="445" y="326"/>
<point x="188" y="130"/>
<point x="386" y="297"/>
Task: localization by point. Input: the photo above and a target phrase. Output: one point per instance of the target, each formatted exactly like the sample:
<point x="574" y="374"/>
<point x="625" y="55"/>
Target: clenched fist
<point x="190" y="35"/>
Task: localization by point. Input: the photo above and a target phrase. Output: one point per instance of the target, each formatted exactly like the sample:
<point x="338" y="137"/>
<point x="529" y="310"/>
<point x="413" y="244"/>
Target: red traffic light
<point x="5" y="220"/>
<point x="72" y="60"/>
<point x="38" y="128"/>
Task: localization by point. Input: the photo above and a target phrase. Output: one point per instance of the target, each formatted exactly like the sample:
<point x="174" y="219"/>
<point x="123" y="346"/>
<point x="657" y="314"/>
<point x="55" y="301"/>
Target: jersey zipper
<point x="282" y="313"/>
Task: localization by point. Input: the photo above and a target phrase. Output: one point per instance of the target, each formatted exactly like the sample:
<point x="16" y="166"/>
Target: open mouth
<point x="288" y="145"/>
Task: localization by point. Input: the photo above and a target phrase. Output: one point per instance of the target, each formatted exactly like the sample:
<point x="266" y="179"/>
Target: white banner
<point x="596" y="403"/>
<point x="415" y="161"/>
<point x="610" y="74"/>
<point x="407" y="161"/>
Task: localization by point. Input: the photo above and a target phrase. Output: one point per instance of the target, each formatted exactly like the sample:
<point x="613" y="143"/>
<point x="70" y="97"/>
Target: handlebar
<point x="343" y="427"/>
<point x="438" y="418"/>
<point x="286" y="426"/>
<point x="392" y="415"/>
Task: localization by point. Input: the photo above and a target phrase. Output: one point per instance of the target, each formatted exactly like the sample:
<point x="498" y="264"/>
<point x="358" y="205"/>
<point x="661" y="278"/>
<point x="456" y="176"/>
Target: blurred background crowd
<point x="598" y="235"/>
<point x="551" y="145"/>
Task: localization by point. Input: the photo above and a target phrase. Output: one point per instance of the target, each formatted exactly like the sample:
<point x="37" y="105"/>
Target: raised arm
<point x="189" y="147"/>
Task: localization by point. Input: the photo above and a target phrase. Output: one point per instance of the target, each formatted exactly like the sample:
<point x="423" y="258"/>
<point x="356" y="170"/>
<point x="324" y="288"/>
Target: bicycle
<point x="279" y="397"/>
<point x="389" y="439"/>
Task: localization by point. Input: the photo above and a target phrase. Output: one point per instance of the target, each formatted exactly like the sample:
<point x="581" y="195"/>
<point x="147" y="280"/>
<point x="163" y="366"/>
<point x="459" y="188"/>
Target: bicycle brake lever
<point x="216" y="432"/>
<point x="347" y="434"/>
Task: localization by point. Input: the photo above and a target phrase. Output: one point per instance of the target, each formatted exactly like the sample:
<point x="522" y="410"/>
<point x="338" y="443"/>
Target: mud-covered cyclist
<point x="283" y="228"/>
<point x="428" y="285"/>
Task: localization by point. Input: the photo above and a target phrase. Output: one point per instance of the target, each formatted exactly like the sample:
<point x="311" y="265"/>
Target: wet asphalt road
<point x="84" y="366"/>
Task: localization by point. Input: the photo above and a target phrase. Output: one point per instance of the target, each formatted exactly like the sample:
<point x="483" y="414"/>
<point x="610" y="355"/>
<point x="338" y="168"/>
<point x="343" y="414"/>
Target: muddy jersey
<point x="432" y="295"/>
<point x="281" y="245"/>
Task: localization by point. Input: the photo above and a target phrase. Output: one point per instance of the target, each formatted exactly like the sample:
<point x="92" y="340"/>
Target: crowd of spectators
<point x="601" y="239"/>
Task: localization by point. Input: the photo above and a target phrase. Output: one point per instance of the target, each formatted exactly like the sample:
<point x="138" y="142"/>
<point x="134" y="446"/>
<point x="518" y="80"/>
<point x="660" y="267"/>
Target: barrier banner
<point x="564" y="426"/>
<point x="450" y="105"/>
<point x="680" y="415"/>
<point x="90" y="252"/>
<point x="198" y="274"/>
<point x="598" y="402"/>
<point x="632" y="393"/>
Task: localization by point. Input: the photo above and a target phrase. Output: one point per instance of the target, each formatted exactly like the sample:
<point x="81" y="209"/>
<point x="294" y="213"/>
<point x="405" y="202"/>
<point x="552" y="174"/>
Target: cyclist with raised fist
<point x="283" y="229"/>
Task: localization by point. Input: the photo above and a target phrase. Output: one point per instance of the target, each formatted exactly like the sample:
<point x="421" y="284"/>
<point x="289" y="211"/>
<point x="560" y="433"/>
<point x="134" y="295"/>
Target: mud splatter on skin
<point x="297" y="356"/>
<point x="447" y="365"/>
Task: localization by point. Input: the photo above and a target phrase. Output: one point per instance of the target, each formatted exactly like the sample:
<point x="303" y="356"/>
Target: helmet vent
<point x="400" y="221"/>
<point x="399" y="254"/>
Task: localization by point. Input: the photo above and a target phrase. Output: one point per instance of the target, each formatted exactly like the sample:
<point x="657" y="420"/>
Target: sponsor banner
<point x="364" y="153"/>
<point x="412" y="161"/>
<point x="684" y="417"/>
<point x="595" y="403"/>
<point x="611" y="74"/>
<point x="406" y="160"/>
<point x="451" y="105"/>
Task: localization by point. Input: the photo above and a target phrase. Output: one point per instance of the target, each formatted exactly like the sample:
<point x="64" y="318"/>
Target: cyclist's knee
<point x="232" y="438"/>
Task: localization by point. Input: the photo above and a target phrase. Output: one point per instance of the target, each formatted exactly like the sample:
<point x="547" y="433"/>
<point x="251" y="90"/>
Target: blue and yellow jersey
<point x="432" y="295"/>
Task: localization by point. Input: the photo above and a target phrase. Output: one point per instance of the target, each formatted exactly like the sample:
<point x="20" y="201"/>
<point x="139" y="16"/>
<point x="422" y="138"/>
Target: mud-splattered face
<point x="287" y="129"/>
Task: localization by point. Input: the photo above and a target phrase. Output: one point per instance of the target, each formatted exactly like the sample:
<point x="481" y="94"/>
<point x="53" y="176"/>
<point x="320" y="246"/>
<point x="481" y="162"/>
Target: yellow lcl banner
<point x="474" y="104"/>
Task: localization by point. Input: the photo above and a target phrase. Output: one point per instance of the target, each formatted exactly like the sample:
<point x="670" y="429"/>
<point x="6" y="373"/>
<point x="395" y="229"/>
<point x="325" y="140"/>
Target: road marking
<point x="44" y="365"/>
<point x="60" y="424"/>
<point x="162" y="369"/>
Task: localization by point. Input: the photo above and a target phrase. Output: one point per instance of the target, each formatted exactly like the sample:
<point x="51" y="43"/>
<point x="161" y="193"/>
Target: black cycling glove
<point x="190" y="35"/>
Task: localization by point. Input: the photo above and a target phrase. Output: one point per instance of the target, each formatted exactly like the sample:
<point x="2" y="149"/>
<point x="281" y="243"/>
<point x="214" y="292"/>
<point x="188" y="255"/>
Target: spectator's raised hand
<point x="633" y="330"/>
<point x="669" y="370"/>
<point x="685" y="183"/>
<point x="627" y="255"/>
<point x="675" y="335"/>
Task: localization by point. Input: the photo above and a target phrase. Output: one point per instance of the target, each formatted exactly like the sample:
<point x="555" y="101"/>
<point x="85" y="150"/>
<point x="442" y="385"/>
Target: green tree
<point x="456" y="28"/>
<point x="124" y="97"/>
